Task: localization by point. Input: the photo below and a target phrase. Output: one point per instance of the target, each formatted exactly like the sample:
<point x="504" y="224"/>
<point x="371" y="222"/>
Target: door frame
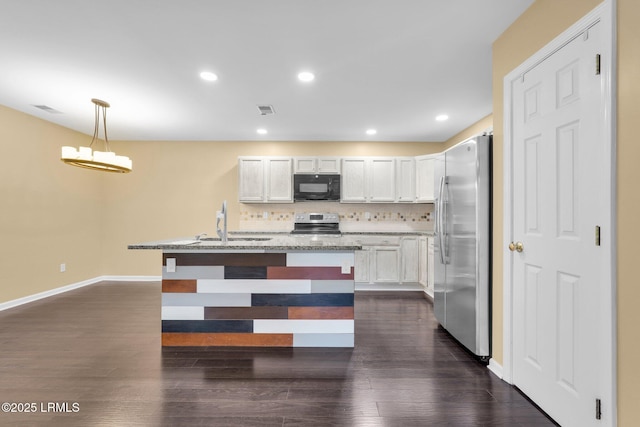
<point x="604" y="13"/>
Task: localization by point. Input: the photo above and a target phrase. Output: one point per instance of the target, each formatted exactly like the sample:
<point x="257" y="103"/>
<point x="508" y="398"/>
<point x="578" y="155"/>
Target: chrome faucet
<point x="222" y="215"/>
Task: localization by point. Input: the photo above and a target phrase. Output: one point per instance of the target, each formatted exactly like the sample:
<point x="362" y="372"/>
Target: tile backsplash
<point x="353" y="217"/>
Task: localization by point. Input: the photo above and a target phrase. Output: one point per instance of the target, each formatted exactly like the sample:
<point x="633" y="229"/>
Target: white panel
<point x="532" y="314"/>
<point x="195" y="272"/>
<point x="253" y="286"/>
<point x="277" y="326"/>
<point x="182" y="313"/>
<point x="332" y="286"/>
<point x="568" y="85"/>
<point x="310" y="259"/>
<point x="323" y="340"/>
<point x="567" y="288"/>
<point x="532" y="185"/>
<point x="532" y="103"/>
<point x="567" y="169"/>
<point x="207" y="300"/>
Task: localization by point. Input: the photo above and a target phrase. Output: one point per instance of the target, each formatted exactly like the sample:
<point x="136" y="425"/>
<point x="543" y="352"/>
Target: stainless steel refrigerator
<point x="462" y="243"/>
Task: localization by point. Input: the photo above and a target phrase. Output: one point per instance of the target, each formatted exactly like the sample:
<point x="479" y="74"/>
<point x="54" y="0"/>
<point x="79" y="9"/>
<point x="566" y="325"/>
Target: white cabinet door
<point x="406" y="181"/>
<point x="265" y="180"/>
<point x="304" y="164"/>
<point x="423" y="253"/>
<point x="368" y="179"/>
<point x="410" y="259"/>
<point x="279" y="180"/>
<point x="328" y="165"/>
<point x="251" y="179"/>
<point x="353" y="186"/>
<point x="425" y="187"/>
<point x="382" y="180"/>
<point x="430" y="266"/>
<point x="362" y="266"/>
<point x="386" y="264"/>
<point x="322" y="165"/>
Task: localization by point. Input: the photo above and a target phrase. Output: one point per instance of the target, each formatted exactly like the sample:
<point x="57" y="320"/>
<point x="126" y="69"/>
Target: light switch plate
<point x="171" y="265"/>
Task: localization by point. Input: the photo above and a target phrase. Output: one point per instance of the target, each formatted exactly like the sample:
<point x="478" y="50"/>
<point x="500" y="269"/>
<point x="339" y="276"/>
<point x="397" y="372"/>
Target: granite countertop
<point x="344" y="233"/>
<point x="276" y="242"/>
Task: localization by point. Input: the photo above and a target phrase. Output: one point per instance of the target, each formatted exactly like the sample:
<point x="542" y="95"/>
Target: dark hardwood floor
<point x="95" y="354"/>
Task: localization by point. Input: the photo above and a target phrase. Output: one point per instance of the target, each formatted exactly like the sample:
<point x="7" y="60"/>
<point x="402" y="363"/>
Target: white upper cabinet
<point x="321" y="165"/>
<point x="425" y="187"/>
<point x="265" y="179"/>
<point x="406" y="180"/>
<point x="368" y="179"/>
<point x="352" y="181"/>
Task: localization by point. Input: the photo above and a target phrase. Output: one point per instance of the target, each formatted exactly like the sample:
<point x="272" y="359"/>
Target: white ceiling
<point x="391" y="65"/>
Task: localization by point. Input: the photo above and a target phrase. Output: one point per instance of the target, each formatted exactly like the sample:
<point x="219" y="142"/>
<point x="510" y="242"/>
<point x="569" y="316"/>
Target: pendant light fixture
<point x="107" y="160"/>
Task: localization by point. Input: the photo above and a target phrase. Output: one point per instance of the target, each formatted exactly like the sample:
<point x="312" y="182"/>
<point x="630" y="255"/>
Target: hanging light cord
<point x="100" y="106"/>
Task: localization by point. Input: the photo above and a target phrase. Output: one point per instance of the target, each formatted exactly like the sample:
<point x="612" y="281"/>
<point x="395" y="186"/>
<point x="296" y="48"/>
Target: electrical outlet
<point x="346" y="266"/>
<point x="265" y="215"/>
<point x="171" y="265"/>
<point x="63" y="268"/>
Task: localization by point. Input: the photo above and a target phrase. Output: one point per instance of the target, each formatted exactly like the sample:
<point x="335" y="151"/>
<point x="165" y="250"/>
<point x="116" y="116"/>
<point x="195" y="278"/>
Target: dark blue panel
<point x="303" y="300"/>
<point x="232" y="272"/>
<point x="207" y="326"/>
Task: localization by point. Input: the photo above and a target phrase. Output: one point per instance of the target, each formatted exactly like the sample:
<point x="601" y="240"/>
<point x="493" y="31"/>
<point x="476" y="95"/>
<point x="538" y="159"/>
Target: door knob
<point x="518" y="247"/>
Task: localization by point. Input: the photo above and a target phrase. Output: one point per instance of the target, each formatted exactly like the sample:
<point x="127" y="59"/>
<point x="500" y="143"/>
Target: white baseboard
<point x="30" y="298"/>
<point x="495" y="367"/>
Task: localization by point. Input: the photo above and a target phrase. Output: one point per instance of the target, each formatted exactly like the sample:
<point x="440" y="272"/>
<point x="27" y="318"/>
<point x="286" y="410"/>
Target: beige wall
<point x="476" y="129"/>
<point x="628" y="206"/>
<point x="51" y="213"/>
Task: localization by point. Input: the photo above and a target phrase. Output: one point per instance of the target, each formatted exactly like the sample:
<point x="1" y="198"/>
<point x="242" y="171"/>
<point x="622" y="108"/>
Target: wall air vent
<point x="48" y="109"/>
<point x="266" y="110"/>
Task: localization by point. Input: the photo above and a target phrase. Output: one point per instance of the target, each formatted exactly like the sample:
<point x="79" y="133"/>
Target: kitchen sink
<point x="236" y="239"/>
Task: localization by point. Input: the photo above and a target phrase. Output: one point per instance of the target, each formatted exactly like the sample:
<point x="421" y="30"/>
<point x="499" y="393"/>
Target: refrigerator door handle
<point x="440" y="219"/>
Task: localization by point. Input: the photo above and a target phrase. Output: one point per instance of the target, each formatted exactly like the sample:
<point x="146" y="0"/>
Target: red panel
<point x="313" y="273"/>
<point x="179" y="286"/>
<point x="226" y="339"/>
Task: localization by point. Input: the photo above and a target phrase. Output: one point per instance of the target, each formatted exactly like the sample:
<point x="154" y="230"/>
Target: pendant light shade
<point x="106" y="160"/>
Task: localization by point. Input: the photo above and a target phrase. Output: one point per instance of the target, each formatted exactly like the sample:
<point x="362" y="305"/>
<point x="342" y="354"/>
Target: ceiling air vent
<point x="48" y="109"/>
<point x="265" y="110"/>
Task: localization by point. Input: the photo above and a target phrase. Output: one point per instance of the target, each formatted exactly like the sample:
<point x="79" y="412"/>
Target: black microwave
<point x="308" y="187"/>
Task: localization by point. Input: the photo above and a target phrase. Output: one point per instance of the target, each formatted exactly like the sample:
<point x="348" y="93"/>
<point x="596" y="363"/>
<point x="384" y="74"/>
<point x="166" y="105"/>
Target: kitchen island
<point x="280" y="291"/>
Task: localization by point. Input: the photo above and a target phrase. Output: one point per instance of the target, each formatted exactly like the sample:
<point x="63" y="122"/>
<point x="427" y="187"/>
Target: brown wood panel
<point x="228" y="259"/>
<point x="320" y="312"/>
<point x="226" y="339"/>
<point x="179" y="286"/>
<point x="313" y="273"/>
<point x="245" y="312"/>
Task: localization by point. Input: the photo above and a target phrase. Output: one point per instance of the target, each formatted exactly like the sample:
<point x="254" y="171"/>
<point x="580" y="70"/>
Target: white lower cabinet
<point x="426" y="263"/>
<point x="386" y="261"/>
<point x="390" y="260"/>
<point x="410" y="260"/>
<point x="362" y="265"/>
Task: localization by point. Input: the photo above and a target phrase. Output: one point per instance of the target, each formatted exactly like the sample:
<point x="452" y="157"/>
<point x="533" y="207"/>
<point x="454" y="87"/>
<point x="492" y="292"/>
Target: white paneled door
<point x="556" y="260"/>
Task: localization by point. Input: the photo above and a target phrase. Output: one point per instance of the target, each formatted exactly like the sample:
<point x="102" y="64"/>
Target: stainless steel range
<point x="316" y="223"/>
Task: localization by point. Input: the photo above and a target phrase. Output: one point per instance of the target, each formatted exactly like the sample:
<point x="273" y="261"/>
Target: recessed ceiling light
<point x="371" y="131"/>
<point x="261" y="131"/>
<point x="306" y="76"/>
<point x="442" y="117"/>
<point x="208" y="76"/>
